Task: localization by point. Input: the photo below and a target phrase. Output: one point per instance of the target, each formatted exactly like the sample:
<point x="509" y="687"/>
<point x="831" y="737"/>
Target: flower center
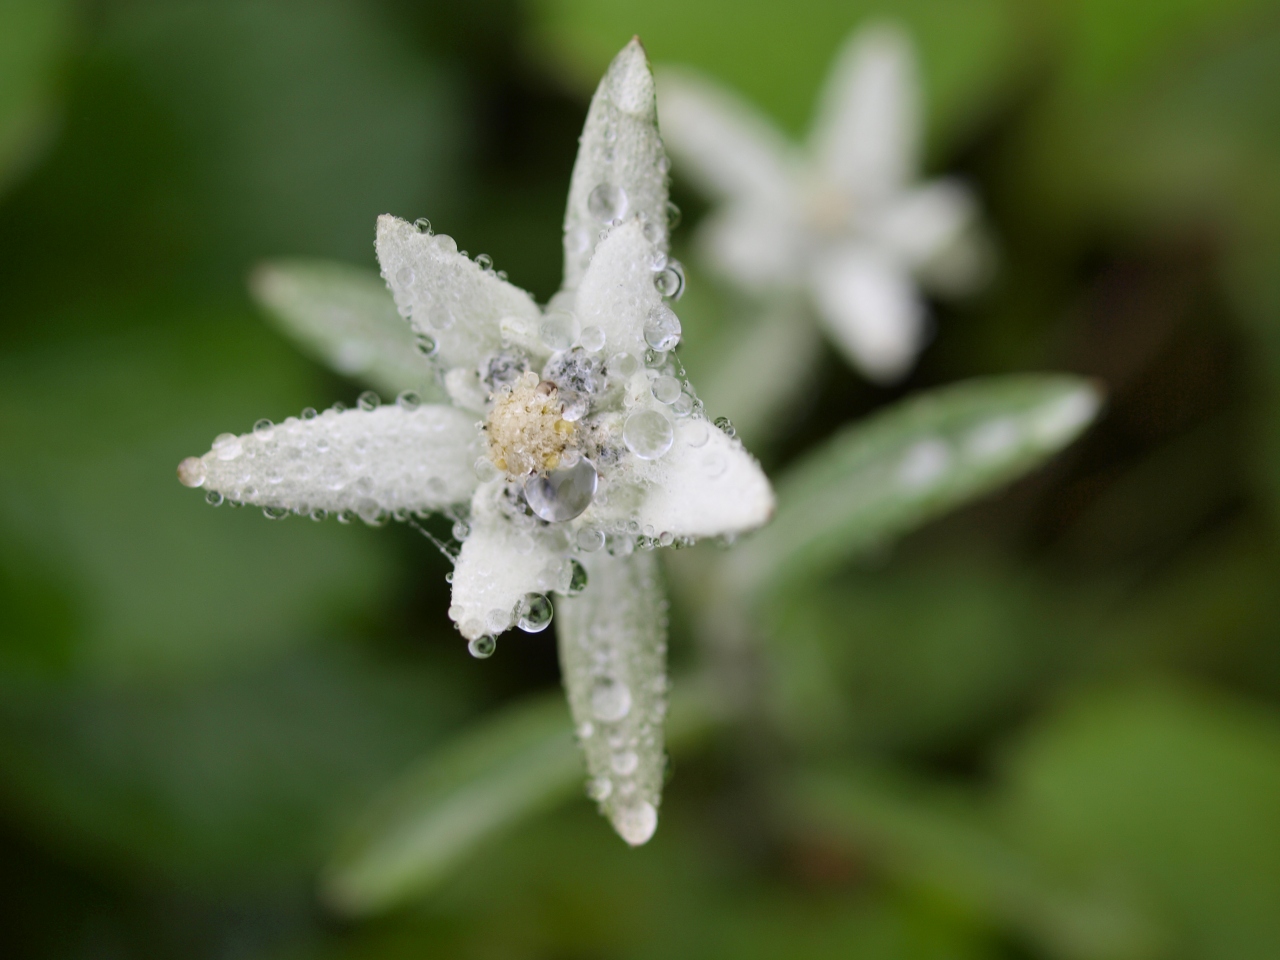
<point x="526" y="431"/>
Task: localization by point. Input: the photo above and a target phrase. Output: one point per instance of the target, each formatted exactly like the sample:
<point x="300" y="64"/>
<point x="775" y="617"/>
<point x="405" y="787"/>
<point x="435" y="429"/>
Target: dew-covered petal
<point x="618" y="293"/>
<point x="723" y="143"/>
<point x="867" y="135"/>
<point x="871" y="309"/>
<point x="923" y="222"/>
<point x="371" y="462"/>
<point x="619" y="172"/>
<point x="757" y="247"/>
<point x="463" y="308"/>
<point x="344" y="316"/>
<point x="705" y="485"/>
<point x="613" y="652"/>
<point x="500" y="563"/>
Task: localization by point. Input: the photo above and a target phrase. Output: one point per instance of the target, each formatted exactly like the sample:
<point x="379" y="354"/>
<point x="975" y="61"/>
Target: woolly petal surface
<point x="925" y="221"/>
<point x="618" y="292"/>
<point x="757" y="247"/>
<point x="724" y="144"/>
<point x="448" y="297"/>
<point x="501" y="562"/>
<point x="619" y="171"/>
<point x="613" y="652"/>
<point x="344" y="316"/>
<point x="867" y="135"/>
<point x="368" y="461"/>
<point x="706" y="485"/>
<point x="871" y="308"/>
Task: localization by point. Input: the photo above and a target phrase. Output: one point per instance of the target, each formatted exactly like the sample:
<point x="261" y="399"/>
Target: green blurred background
<point x="1046" y="726"/>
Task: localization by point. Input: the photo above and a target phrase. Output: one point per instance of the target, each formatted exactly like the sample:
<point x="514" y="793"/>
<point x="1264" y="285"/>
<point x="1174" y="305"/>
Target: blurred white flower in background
<point x="842" y="218"/>
<point x="572" y="447"/>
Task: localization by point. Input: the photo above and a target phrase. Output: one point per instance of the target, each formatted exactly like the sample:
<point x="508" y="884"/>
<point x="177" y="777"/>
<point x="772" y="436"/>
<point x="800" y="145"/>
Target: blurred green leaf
<point x="939" y="842"/>
<point x="344" y="317"/>
<point x="1171" y="791"/>
<point x="497" y="774"/>
<point x="33" y="38"/>
<point x="779" y="60"/>
<point x="90" y="435"/>
<point x="882" y="477"/>
<point x="240" y="779"/>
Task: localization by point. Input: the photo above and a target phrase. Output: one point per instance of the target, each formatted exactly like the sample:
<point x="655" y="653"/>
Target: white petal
<point x="867" y="135"/>
<point x="620" y="155"/>
<point x="706" y="485"/>
<point x="613" y="652"/>
<point x="344" y="316"/>
<point x="448" y="297"/>
<point x="755" y="247"/>
<point x="500" y="563"/>
<point x="368" y="461"/>
<point x="920" y="224"/>
<point x="723" y="143"/>
<point x="618" y="292"/>
<point x="872" y="309"/>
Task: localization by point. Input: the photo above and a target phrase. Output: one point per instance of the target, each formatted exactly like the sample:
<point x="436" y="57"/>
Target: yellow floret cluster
<point x="526" y="432"/>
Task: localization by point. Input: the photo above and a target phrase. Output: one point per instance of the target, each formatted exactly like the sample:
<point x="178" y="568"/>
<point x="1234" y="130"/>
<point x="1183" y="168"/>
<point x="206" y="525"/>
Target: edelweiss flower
<point x="590" y="448"/>
<point x="842" y="218"/>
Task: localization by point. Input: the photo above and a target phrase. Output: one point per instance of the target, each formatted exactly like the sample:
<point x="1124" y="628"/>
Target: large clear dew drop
<point x="607" y="203"/>
<point x="610" y="700"/>
<point x="562" y="494"/>
<point x="648" y="434"/>
<point x="662" y="328"/>
<point x="534" y="613"/>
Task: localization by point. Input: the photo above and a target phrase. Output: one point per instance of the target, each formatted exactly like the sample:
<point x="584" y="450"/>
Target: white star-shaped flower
<point x="572" y="447"/>
<point x="842" y="218"/>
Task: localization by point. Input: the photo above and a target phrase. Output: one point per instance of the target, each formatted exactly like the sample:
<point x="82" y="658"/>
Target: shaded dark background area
<point x="194" y="704"/>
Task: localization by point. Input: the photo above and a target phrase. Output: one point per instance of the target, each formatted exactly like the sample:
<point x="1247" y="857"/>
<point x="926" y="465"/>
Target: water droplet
<point x="666" y="389"/>
<point x="423" y="225"/>
<point x="485" y="470"/>
<point x="460" y="531"/>
<point x="577" y="579"/>
<point x="714" y="464"/>
<point x="371" y="512"/>
<point x="404" y="277"/>
<point x="191" y="472"/>
<point x="368" y="400"/>
<point x="318" y="515"/>
<point x="426" y="345"/>
<point x="558" y="330"/>
<point x="662" y="328"/>
<point x="673" y="215"/>
<point x="725" y="426"/>
<point x="590" y="539"/>
<point x="682" y="406"/>
<point x="226" y="446"/>
<point x="620" y="545"/>
<point x="484" y="261"/>
<point x="666" y="539"/>
<point x="562" y="494"/>
<point x="482" y="647"/>
<point x="647" y="434"/>
<point x="441" y="318"/>
<point x="275" y="513"/>
<point x="610" y="700"/>
<point x="446" y="244"/>
<point x="309" y="413"/>
<point x="924" y="464"/>
<point x="534" y="613"/>
<point x="624" y="764"/>
<point x="670" y="281"/>
<point x="213" y="498"/>
<point x="636" y="824"/>
<point x="653" y="232"/>
<point x="599" y="789"/>
<point x="264" y="430"/>
<point x="607" y="203"/>
<point x="591" y="338"/>
<point x="408" y="400"/>
<point x="622" y="365"/>
<point x="497" y="621"/>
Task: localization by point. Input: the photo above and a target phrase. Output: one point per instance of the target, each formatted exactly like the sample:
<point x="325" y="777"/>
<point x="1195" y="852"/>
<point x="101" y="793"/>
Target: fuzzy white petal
<point x="618" y="292"/>
<point x="613" y="647"/>
<point x="500" y="563"/>
<point x="367" y="461"/>
<point x="867" y="135"/>
<point x="925" y="221"/>
<point x="723" y="143"/>
<point x="756" y="247"/>
<point x="871" y="308"/>
<point x="619" y="155"/>
<point x="706" y="485"/>
<point x="447" y="296"/>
